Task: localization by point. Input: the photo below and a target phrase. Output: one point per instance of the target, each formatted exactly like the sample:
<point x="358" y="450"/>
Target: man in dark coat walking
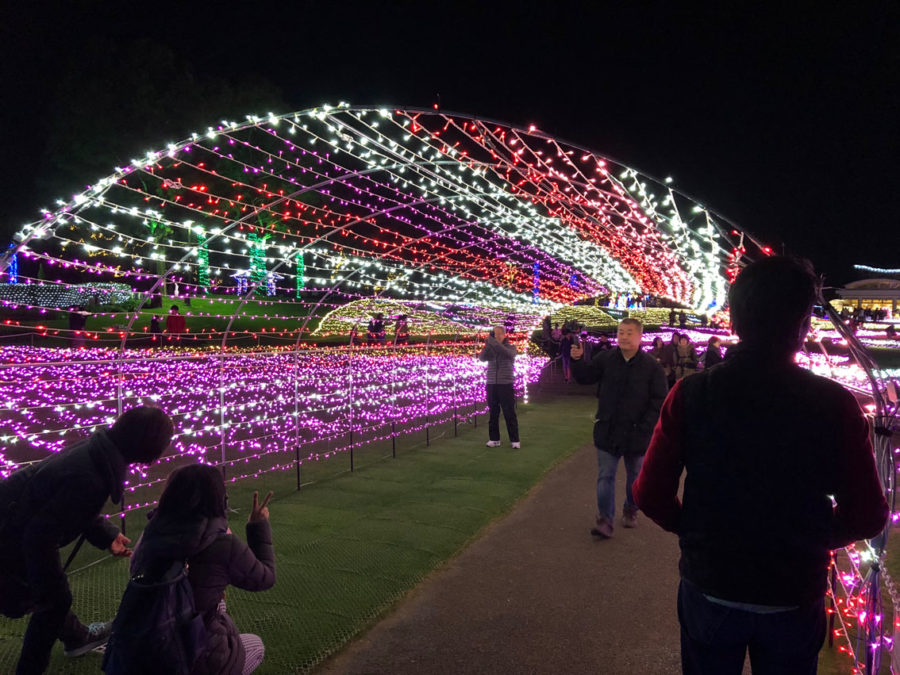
<point x="631" y="389"/>
<point x="780" y="471"/>
<point x="48" y="505"/>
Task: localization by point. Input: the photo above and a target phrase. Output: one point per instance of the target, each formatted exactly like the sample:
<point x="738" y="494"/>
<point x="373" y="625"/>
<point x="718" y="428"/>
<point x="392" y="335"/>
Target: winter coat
<point x="176" y="323"/>
<point x="50" y="504"/>
<point x="499" y="357"/>
<point x="216" y="559"/>
<point x="687" y="360"/>
<point x="712" y="357"/>
<point x="629" y="396"/>
<point x="766" y="446"/>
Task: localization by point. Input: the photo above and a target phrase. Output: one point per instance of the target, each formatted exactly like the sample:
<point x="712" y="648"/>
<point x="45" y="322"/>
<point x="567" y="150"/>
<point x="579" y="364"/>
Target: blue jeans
<point x="607" y="463"/>
<point x="715" y="638"/>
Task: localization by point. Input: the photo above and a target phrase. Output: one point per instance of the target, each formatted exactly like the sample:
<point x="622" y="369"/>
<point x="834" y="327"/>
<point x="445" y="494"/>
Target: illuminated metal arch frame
<point x="472" y="199"/>
<point x="417" y="204"/>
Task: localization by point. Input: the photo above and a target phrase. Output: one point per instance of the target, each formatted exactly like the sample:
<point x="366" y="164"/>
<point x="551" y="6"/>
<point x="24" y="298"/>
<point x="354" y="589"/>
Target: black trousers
<point x="51" y="617"/>
<point x="502" y="397"/>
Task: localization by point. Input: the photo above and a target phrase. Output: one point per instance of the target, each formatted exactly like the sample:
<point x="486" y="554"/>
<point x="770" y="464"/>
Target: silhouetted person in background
<point x="176" y="323"/>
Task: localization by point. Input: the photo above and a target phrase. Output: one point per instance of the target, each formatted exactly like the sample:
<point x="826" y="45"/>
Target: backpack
<point x="157" y="628"/>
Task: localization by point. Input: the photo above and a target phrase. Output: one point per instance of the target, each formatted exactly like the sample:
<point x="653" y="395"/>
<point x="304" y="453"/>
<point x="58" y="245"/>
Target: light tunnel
<point x="328" y="206"/>
<point x="283" y="222"/>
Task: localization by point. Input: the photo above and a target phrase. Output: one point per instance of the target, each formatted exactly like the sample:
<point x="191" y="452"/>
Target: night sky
<point x="784" y="119"/>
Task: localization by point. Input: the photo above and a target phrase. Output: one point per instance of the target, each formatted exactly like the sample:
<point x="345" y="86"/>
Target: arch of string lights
<point x="322" y="208"/>
<point x="351" y="202"/>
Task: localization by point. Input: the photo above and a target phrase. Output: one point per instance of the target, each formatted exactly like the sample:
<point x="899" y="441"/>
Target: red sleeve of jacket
<point x="656" y="488"/>
<point x="862" y="510"/>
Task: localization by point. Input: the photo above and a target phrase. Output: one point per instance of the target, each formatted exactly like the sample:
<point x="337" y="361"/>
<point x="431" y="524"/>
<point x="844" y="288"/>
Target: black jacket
<point x="216" y="559"/>
<point x="765" y="444"/>
<point x="629" y="396"/>
<point x="48" y="505"/>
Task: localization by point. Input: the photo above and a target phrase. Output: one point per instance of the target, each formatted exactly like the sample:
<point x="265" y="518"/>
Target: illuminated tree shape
<point x="258" y="272"/>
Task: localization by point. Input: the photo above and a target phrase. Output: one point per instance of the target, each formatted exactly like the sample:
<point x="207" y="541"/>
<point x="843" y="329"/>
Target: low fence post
<point x="297" y="412"/>
<point x="350" y="400"/>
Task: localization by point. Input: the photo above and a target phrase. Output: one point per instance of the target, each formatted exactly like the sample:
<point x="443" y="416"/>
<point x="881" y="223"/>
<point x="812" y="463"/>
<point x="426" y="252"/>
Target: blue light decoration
<point x="537" y="282"/>
<point x="13" y="269"/>
<point x="573" y="281"/>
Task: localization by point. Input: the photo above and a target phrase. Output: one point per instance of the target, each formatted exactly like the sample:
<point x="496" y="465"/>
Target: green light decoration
<point x="203" y="261"/>
<point x="258" y="261"/>
<point x="301" y="268"/>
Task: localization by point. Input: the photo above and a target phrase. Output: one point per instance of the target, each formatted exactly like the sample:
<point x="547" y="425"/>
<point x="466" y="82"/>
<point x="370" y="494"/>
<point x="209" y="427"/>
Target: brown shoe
<point x="603" y="528"/>
<point x="629" y="518"/>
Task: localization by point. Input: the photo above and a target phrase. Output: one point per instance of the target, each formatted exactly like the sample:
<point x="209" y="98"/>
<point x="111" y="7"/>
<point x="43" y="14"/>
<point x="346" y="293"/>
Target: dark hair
<point x="141" y="434"/>
<point x="191" y="491"/>
<point x="174" y="308"/>
<point x="659" y="340"/>
<point x="713" y="341"/>
<point x="771" y="301"/>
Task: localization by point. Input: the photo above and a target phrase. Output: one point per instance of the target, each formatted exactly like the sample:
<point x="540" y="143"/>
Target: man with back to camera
<point x="500" y="354"/>
<point x="631" y="389"/>
<point x="48" y="505"/>
<point x="766" y="446"/>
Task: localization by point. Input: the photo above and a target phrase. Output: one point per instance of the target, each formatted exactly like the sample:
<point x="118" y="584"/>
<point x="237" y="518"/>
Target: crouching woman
<point x="190" y="524"/>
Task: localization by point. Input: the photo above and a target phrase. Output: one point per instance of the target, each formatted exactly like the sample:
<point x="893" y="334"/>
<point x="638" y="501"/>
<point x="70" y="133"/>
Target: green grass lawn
<point x="349" y="546"/>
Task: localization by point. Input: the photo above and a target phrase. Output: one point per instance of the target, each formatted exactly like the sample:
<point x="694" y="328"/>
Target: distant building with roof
<point x="876" y="293"/>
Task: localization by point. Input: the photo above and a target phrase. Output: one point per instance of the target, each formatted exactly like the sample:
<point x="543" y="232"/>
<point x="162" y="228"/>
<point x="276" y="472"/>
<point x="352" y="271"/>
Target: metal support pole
<point x="873" y="620"/>
<point x="393" y="407"/>
<point x="427" y="391"/>
<point x="222" y="413"/>
<point x="297" y="412"/>
<point x="834" y="608"/>
<point x="350" y="400"/>
<point x="119" y="406"/>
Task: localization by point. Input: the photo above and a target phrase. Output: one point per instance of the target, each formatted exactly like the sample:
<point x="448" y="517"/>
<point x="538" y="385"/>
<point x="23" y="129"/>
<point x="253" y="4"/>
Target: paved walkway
<point x="538" y="594"/>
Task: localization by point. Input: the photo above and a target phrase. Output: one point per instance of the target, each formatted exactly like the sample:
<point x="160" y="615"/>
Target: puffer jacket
<point x="216" y="559"/>
<point x="499" y="357"/>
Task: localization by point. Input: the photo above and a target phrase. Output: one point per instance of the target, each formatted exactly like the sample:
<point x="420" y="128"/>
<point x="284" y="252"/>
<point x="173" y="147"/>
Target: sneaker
<point x="493" y="444"/>
<point x="629" y="518"/>
<point x="97" y="635"/>
<point x="603" y="528"/>
<point x="516" y="445"/>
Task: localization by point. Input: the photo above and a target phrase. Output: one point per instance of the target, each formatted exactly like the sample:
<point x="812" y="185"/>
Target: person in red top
<point x="175" y="322"/>
<point x="779" y="471"/>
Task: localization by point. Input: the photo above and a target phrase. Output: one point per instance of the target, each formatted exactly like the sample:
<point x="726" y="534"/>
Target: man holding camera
<point x="500" y="354"/>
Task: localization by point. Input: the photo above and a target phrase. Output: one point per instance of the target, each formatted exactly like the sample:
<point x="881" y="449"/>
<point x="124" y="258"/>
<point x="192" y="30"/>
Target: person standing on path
<point x="48" y="505"/>
<point x="500" y="354"/>
<point x="780" y="472"/>
<point x="631" y="387"/>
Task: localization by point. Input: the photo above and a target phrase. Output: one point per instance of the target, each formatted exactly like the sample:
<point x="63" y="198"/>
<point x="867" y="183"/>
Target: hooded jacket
<point x="216" y="559"/>
<point x="48" y="505"/>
